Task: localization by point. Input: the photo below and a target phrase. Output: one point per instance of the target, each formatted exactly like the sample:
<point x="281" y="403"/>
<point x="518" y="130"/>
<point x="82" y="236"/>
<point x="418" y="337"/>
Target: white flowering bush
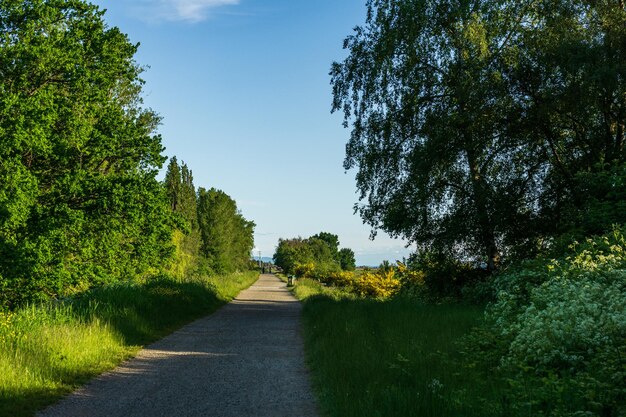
<point x="562" y="331"/>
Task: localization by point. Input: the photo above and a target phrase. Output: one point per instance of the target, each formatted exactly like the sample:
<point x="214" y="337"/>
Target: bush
<point x="412" y="282"/>
<point x="341" y="279"/>
<point x="561" y="326"/>
<point x="304" y="270"/>
<point x="445" y="277"/>
<point x="380" y="285"/>
<point x="323" y="270"/>
<point x="383" y="283"/>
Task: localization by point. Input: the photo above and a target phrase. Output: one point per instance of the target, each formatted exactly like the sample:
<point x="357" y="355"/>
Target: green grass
<point x="306" y="288"/>
<point x="48" y="350"/>
<point x="398" y="357"/>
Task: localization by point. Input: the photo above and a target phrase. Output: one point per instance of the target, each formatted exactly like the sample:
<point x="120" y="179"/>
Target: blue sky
<point x="244" y="92"/>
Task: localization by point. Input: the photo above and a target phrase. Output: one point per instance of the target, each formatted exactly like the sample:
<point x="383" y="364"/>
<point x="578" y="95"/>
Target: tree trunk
<point x="487" y="229"/>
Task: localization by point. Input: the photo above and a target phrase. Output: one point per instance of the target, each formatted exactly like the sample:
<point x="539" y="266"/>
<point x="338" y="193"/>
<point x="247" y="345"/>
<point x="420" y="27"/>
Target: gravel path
<point x="244" y="360"/>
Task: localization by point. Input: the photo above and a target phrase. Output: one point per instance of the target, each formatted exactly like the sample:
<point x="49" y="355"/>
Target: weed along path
<point x="245" y="360"/>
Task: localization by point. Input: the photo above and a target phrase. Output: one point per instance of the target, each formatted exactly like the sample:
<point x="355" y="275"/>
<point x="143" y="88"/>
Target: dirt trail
<point x="244" y="360"/>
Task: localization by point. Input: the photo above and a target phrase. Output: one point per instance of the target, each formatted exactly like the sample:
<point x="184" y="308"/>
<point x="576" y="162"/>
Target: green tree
<point x="331" y="240"/>
<point x="321" y="250"/>
<point x="324" y="256"/>
<point x="173" y="182"/>
<point x="188" y="203"/>
<point x="422" y="91"/>
<point x="181" y="191"/>
<point x="472" y="121"/>
<point x="243" y="242"/>
<point x="346" y="259"/>
<point x="227" y="237"/>
<point x="569" y="86"/>
<point x="291" y="252"/>
<point x="79" y="202"/>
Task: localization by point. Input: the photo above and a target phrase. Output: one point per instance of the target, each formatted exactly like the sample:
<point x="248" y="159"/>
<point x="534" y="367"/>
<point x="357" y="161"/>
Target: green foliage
<point x="307" y="287"/>
<point x="80" y="205"/>
<point x="291" y="252"/>
<point x="181" y="192"/>
<point x="346" y="259"/>
<point x="173" y="183"/>
<point x="322" y="253"/>
<point x="320" y="250"/>
<point x="560" y="327"/>
<point x="332" y="241"/>
<point x="187" y="201"/>
<point x="227" y="237"/>
<point x="601" y="202"/>
<point x="422" y="91"/>
<point x="571" y="66"/>
<point x="79" y="202"/>
<point x="183" y="261"/>
<point x="486" y="128"/>
<point x="444" y="276"/>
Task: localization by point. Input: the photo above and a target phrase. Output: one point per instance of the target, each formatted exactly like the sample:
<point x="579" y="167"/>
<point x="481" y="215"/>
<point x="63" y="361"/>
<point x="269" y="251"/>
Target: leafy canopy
<point x="472" y="121"/>
<point x="79" y="202"/>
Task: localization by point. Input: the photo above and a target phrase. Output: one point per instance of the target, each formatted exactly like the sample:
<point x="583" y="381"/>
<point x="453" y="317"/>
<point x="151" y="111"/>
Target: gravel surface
<point x="244" y="360"/>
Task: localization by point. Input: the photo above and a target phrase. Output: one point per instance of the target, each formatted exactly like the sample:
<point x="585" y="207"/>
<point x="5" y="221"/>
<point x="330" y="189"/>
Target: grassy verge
<point x="306" y="287"/>
<point x="48" y="350"/>
<point x="391" y="358"/>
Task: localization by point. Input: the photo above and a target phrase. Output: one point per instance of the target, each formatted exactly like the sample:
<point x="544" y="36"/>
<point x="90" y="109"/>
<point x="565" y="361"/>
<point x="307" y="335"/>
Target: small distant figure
<point x="263" y="268"/>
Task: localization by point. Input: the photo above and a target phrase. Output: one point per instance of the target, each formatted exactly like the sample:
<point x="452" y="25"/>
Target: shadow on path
<point x="245" y="360"/>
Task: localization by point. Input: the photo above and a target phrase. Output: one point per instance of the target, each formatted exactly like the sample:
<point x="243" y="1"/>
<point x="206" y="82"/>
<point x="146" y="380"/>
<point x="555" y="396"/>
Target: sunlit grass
<point x="48" y="350"/>
<point x="306" y="288"/>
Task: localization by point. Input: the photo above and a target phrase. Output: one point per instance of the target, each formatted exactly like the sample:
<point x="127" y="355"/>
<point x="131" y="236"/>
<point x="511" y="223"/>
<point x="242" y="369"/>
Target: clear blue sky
<point x="245" y="96"/>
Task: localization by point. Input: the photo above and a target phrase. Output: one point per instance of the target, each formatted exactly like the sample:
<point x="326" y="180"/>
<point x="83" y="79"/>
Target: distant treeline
<point x="212" y="231"/>
<point x="80" y="204"/>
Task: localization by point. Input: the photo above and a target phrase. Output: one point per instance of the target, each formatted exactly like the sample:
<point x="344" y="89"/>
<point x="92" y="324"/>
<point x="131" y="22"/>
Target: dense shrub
<point x="445" y="277"/>
<point x="381" y="284"/>
<point x="80" y="205"/>
<point x="560" y="327"/>
<point x="304" y="270"/>
<point x="412" y="282"/>
<point x="341" y="279"/>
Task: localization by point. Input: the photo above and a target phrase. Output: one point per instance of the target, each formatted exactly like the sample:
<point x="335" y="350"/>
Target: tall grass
<point x="393" y="358"/>
<point x="399" y="357"/>
<point x="48" y="350"/>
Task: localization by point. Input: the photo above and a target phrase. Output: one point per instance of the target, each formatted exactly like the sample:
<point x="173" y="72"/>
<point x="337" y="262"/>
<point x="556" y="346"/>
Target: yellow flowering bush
<point x="341" y="278"/>
<point x="304" y="270"/>
<point x="382" y="284"/>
